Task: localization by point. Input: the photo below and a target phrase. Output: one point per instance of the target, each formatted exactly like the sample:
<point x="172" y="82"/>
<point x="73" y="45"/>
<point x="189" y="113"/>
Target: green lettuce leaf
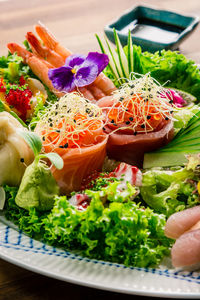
<point x="169" y="191"/>
<point x="30" y="221"/>
<point x="174" y="68"/>
<point x="12" y="67"/>
<point x="112" y="192"/>
<point x="121" y="232"/>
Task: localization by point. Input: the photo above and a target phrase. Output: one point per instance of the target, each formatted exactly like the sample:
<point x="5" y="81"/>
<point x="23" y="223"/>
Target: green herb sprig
<point x="35" y="143"/>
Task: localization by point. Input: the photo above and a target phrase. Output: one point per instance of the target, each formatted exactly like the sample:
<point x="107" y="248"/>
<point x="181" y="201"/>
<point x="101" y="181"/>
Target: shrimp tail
<point x="22" y="52"/>
<point x="35" y="43"/>
<point x="50" y="41"/>
<point x="47" y="54"/>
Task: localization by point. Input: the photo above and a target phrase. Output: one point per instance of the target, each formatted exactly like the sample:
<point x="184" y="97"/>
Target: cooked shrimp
<point x="53" y="55"/>
<point x="49" y="55"/>
<point x="50" y="41"/>
<point x="38" y="66"/>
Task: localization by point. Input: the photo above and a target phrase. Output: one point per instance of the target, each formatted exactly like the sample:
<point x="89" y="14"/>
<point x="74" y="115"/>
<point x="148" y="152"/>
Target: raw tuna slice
<point x="138" y="119"/>
<point x="130" y="148"/>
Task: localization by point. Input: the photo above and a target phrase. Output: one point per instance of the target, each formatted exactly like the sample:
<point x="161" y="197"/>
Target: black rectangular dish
<point x="152" y="29"/>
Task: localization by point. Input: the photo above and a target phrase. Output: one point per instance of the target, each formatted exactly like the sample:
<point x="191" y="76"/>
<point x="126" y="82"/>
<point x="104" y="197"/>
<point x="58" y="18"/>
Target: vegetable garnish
<point x="141" y="105"/>
<point x="168" y="191"/>
<point x="121" y="232"/>
<point x="78" y="71"/>
<point x="177" y="99"/>
<point x="119" y="65"/>
<point x="35" y="143"/>
<point x="180" y="72"/>
<point x="17" y="96"/>
<point x="70" y="123"/>
<point x="187" y="141"/>
<point x="38" y="186"/>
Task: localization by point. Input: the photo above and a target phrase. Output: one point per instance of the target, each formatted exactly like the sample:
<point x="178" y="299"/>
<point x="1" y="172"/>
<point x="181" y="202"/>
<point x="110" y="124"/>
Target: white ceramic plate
<point x="33" y="255"/>
<point x="19" y="249"/>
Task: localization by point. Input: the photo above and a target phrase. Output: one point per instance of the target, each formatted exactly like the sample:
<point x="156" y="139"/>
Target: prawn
<point x="50" y="54"/>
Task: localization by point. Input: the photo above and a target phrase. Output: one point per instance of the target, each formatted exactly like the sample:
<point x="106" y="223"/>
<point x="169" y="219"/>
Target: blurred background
<point x="75" y="22"/>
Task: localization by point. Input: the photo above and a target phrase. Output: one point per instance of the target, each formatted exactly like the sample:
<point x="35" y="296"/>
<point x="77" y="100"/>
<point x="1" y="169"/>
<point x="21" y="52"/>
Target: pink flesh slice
<point x="186" y="250"/>
<point x="181" y="222"/>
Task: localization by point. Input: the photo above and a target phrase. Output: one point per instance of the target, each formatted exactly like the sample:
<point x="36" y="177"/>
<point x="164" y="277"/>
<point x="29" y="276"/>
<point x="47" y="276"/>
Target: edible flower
<point x="78" y="71"/>
<point x="177" y="98"/>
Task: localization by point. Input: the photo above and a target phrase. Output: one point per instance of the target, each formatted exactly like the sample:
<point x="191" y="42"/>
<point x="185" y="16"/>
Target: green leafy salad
<point x="113" y="216"/>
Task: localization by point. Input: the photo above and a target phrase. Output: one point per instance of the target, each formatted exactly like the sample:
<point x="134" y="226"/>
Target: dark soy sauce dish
<point x="152" y="29"/>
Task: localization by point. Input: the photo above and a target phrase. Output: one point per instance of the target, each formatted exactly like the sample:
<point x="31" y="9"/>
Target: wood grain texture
<point x="74" y="23"/>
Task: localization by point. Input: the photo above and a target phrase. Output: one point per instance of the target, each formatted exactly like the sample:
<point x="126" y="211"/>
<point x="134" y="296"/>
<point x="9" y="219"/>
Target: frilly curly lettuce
<point x="169" y="191"/>
<point x="114" y="192"/>
<point x="122" y="232"/>
<point x="193" y="161"/>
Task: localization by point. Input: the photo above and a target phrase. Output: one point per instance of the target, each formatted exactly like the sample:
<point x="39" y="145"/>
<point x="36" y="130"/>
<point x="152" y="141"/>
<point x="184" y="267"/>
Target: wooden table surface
<point x="74" y="22"/>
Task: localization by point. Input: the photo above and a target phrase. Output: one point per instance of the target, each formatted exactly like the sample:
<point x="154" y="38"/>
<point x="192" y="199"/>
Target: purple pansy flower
<point x="78" y="71"/>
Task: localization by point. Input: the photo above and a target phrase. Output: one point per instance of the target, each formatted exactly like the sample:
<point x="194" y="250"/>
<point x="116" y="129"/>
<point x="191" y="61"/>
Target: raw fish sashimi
<point x="72" y="127"/>
<point x="130" y="148"/>
<point x="184" y="226"/>
<point x="78" y="163"/>
<point x="181" y="222"/>
<point x="138" y="120"/>
<point x="186" y="250"/>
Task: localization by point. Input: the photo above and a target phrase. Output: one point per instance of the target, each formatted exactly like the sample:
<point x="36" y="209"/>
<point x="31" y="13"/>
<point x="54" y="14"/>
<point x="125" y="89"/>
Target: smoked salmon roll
<point x="138" y="119"/>
<point x="73" y="128"/>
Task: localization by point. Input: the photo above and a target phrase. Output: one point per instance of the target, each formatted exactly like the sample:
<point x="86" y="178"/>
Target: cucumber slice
<point x="130" y="56"/>
<point x="111" y="63"/>
<point x="115" y="61"/>
<point x="121" y="55"/>
<point x="167" y="159"/>
<point x="187" y="141"/>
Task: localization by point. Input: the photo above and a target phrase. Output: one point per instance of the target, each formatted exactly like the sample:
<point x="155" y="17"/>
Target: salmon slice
<point x="73" y="128"/>
<point x="78" y="164"/>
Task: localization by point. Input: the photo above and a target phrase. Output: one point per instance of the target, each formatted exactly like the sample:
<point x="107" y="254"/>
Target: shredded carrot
<point x="141" y="105"/>
<point x="70" y="123"/>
